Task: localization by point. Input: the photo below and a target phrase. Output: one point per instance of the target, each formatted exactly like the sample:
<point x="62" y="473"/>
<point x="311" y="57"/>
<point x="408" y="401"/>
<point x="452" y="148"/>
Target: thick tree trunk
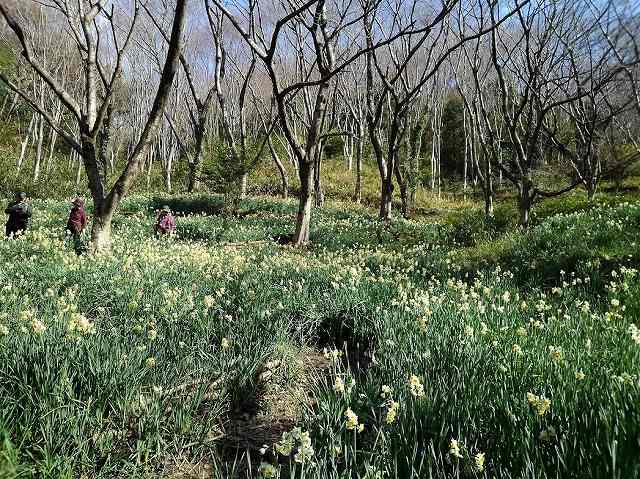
<point x="101" y="227"/>
<point x="303" y="219"/>
<point x="525" y="201"/>
<point x="101" y="230"/>
<point x="386" y="197"/>
<point x="192" y="181"/>
<point x="93" y="168"/>
<point x="591" y="177"/>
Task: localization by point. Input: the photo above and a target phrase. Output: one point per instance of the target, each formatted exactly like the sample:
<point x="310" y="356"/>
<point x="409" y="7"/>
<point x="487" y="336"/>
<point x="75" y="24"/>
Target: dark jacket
<point x="19" y="214"/>
<point x="77" y="220"/>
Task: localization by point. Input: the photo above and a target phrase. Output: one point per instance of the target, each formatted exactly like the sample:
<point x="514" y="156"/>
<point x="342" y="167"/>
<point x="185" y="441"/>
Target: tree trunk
<point x="38" y="161"/>
<point x="357" y="196"/>
<point x="192" y="181"/>
<point x="167" y="177"/>
<point x="488" y="199"/>
<point x="525" y="201"/>
<point x="415" y="148"/>
<point x="78" y="169"/>
<point x="386" y="197"/>
<point x="439" y="162"/>
<point x="488" y="188"/>
<point x="347" y="148"/>
<point x="243" y="185"/>
<point x="25" y="143"/>
<point x="591" y="186"/>
<point x="404" y="197"/>
<point x="168" y="166"/>
<point x="194" y="165"/>
<point x="281" y="170"/>
<point x="104" y="138"/>
<point x="317" y="179"/>
<point x="101" y="231"/>
<point x="52" y="145"/>
<point x="53" y="137"/>
<point x="4" y="104"/>
<point x="150" y="158"/>
<point x="404" y="193"/>
<point x="101" y="227"/>
<point x="590" y="176"/>
<point x="303" y="219"/>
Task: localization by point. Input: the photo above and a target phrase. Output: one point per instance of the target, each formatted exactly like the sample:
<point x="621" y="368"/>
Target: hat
<point x="21" y="196"/>
<point x="166" y="209"/>
<point x="78" y="202"/>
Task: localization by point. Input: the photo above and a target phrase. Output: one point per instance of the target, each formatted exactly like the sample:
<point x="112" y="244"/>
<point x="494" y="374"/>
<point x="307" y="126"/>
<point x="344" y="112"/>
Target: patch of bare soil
<point x="183" y="468"/>
<point x="283" y="392"/>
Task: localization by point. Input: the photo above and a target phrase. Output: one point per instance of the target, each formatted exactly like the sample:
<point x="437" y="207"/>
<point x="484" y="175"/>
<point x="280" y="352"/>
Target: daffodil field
<point x="415" y="350"/>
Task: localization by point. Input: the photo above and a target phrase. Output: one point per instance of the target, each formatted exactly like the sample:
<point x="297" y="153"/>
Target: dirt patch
<point x="283" y="393"/>
<point x="183" y="468"/>
<point x="258" y="421"/>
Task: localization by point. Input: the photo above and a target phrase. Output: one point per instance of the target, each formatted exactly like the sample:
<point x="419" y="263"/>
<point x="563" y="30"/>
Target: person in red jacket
<point x="166" y="223"/>
<point x="77" y="223"/>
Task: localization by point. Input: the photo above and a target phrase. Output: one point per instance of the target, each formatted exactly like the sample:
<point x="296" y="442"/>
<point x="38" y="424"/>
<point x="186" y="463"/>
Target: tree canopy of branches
<point x="101" y="44"/>
<point x="541" y="93"/>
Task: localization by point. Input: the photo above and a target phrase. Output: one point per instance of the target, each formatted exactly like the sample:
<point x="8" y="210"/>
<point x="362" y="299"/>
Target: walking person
<point x="76" y="224"/>
<point x="19" y="212"/>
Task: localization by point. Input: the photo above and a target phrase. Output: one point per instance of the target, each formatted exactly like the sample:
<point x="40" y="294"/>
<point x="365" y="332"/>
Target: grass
<point x="190" y="354"/>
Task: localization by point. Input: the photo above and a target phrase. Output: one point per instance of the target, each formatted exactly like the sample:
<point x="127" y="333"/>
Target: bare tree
<point x="354" y="96"/>
<point x="101" y="43"/>
<point x="475" y="85"/>
<point x="234" y="114"/>
<point x="530" y="58"/>
<point x="305" y="26"/>
<point x="202" y="92"/>
<point x="394" y="84"/>
<point x="284" y="179"/>
<point x="577" y="129"/>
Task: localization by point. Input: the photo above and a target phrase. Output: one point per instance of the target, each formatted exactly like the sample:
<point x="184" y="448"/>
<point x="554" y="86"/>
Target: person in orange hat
<point x="77" y="223"/>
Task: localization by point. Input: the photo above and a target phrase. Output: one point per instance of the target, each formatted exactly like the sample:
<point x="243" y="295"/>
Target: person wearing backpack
<point x="19" y="212"/>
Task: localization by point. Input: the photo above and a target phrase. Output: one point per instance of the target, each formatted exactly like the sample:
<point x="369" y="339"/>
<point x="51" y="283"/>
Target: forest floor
<point x="440" y="346"/>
